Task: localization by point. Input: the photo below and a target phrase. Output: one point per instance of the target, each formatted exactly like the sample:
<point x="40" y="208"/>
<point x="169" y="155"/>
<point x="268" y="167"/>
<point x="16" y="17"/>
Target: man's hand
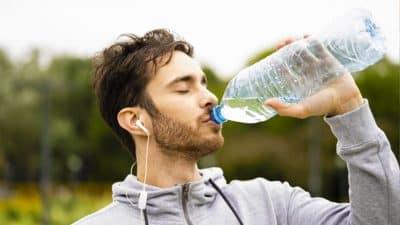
<point x="338" y="96"/>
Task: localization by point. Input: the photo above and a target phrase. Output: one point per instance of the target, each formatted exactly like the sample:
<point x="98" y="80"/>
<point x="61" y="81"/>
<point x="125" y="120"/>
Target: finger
<point x="306" y="54"/>
<point x="287" y="109"/>
<point x="279" y="46"/>
<point x="319" y="103"/>
<point x="275" y="103"/>
<point x="284" y="43"/>
<point x="289" y="41"/>
<point x="300" y="59"/>
<point x="318" y="49"/>
<point x="296" y="110"/>
<point x="328" y="63"/>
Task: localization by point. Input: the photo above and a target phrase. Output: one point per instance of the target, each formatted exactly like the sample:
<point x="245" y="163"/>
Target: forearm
<point x="374" y="175"/>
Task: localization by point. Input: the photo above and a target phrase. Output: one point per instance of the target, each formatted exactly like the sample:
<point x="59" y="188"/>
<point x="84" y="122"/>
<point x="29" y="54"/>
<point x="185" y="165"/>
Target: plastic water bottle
<point x="299" y="69"/>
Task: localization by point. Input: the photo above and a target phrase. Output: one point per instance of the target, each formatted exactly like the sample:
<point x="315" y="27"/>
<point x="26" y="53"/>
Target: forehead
<point x="179" y="65"/>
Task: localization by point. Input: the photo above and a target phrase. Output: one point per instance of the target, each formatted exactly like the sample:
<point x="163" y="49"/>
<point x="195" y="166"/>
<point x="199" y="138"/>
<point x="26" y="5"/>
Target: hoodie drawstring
<point x="226" y="200"/>
<point x="214" y="185"/>
<point x="146" y="220"/>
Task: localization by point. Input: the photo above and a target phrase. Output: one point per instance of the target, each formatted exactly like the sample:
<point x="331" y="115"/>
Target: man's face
<point x="183" y="126"/>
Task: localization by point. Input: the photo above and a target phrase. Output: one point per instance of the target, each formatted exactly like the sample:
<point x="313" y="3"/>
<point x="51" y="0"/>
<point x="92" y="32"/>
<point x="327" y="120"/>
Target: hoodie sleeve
<point x="374" y="178"/>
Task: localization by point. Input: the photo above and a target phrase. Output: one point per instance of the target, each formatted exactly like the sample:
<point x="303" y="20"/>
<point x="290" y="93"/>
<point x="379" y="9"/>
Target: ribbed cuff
<point x="354" y="127"/>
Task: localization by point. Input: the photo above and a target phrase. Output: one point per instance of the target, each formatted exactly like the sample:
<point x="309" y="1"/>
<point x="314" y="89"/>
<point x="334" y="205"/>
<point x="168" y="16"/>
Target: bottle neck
<point x="216" y="115"/>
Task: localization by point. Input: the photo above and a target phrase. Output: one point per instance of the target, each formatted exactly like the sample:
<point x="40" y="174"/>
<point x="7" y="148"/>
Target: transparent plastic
<point x="298" y="70"/>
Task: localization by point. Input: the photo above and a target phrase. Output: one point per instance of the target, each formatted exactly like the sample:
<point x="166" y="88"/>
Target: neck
<point x="165" y="170"/>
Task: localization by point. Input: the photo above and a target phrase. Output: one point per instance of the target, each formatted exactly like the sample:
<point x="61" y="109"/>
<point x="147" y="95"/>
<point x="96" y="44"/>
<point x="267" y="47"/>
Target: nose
<point x="208" y="99"/>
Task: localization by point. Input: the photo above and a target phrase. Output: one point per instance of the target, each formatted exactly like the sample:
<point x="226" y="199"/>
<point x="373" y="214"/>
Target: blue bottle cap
<point x="217" y="116"/>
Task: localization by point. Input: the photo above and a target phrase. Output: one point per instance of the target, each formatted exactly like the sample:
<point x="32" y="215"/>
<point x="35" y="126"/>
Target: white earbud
<point x="141" y="126"/>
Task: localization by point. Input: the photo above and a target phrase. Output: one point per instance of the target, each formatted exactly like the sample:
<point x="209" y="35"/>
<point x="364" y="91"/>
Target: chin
<point x="215" y="143"/>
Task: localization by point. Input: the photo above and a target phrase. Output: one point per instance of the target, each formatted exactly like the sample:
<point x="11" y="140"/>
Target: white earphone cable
<point x="142" y="204"/>
<point x="143" y="194"/>
<point x="146" y="161"/>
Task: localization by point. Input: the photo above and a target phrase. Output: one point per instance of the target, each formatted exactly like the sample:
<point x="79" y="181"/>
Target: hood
<point x="161" y="200"/>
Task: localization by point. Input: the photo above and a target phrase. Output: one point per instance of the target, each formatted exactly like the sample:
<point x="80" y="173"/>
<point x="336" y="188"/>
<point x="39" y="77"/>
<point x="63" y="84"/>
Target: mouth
<point x="210" y="122"/>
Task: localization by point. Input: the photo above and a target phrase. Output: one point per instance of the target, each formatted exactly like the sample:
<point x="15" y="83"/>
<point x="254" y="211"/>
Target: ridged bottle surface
<point x="298" y="70"/>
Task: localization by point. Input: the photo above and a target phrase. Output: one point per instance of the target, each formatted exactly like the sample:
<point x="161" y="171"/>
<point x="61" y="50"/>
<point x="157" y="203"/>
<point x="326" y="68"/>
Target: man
<point x="153" y="79"/>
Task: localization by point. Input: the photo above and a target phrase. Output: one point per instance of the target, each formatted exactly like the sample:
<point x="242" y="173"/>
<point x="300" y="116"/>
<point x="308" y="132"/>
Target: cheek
<point x="186" y="117"/>
<point x="183" y="110"/>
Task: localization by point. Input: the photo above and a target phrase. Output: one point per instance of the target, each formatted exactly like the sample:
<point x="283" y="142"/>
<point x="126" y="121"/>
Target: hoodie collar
<point x="159" y="199"/>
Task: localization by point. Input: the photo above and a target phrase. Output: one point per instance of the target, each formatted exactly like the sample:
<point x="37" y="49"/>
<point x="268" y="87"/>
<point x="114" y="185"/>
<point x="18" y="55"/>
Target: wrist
<point x="348" y="106"/>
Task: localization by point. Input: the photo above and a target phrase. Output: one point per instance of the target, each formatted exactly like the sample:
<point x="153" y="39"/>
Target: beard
<point x="179" y="139"/>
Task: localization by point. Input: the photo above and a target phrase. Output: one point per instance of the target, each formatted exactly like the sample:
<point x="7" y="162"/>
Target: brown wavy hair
<point x="122" y="71"/>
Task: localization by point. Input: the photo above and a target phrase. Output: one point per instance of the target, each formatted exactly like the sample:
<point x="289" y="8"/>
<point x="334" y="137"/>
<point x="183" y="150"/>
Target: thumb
<point x="287" y="109"/>
<point x="276" y="104"/>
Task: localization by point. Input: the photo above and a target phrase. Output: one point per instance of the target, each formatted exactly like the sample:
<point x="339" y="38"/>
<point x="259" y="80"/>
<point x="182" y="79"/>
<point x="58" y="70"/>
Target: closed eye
<point x="182" y="91"/>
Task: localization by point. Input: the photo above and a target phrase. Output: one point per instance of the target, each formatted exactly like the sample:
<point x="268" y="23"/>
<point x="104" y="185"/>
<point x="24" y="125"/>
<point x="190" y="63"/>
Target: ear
<point x="127" y="118"/>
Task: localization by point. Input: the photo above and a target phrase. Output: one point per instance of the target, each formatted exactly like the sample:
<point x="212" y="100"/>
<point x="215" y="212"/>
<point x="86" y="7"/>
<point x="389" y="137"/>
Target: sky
<point x="224" y="33"/>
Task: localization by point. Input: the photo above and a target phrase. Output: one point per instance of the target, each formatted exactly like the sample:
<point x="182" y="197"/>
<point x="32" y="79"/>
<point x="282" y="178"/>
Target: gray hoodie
<point x="374" y="180"/>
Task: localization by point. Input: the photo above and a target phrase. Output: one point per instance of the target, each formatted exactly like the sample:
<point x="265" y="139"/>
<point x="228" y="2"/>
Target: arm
<point x="374" y="175"/>
<point x="374" y="178"/>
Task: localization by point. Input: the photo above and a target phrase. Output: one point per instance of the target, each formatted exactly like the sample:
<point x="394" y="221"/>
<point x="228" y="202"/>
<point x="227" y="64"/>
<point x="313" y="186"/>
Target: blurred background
<point x="57" y="157"/>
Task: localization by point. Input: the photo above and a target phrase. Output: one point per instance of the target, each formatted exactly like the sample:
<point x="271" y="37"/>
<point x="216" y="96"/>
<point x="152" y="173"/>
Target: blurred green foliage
<point x="84" y="149"/>
<point x="68" y="203"/>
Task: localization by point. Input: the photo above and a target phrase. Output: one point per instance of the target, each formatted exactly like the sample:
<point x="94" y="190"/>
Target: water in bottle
<point x="298" y="70"/>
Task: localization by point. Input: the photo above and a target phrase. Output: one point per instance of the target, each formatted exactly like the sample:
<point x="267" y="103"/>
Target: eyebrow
<point x="186" y="78"/>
